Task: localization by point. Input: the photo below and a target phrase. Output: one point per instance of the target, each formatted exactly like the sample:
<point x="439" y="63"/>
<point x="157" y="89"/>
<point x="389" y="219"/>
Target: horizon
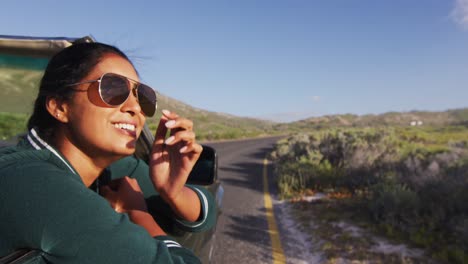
<point x="371" y="114"/>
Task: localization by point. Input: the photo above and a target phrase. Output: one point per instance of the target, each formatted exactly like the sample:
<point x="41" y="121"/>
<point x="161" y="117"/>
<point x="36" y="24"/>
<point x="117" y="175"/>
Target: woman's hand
<point x="124" y="195"/>
<point x="171" y="161"/>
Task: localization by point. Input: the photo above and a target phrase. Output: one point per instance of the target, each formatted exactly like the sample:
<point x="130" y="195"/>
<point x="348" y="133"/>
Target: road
<point x="243" y="231"/>
<point x="242" y="234"/>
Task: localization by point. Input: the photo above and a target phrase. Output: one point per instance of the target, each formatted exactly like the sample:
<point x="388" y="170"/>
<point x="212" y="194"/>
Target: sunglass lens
<point x="114" y="89"/>
<point x="147" y="99"/>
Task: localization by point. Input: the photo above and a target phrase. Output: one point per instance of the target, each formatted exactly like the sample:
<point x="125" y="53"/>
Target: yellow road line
<point x="278" y="254"/>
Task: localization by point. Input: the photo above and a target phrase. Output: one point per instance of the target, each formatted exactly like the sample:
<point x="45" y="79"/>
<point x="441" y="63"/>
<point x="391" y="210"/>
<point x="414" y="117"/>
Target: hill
<point x="213" y="125"/>
<point x="19" y="88"/>
<point x="413" y="118"/>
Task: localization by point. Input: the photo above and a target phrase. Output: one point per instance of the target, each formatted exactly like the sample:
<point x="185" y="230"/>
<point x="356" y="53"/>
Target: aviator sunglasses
<point x="114" y="90"/>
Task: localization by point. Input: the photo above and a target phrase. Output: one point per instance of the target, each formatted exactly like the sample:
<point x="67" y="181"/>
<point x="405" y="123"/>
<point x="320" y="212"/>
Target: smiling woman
<point x="58" y="193"/>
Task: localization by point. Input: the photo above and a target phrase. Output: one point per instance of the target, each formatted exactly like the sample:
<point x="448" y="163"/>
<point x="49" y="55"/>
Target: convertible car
<point x="22" y="61"/>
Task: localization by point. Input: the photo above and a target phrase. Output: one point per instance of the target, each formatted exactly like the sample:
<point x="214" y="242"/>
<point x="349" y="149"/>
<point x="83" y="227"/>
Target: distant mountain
<point x="449" y="117"/>
<point x="214" y="125"/>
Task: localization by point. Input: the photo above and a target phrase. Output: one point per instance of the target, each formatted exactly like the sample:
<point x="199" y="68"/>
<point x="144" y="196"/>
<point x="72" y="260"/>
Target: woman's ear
<point x="57" y="108"/>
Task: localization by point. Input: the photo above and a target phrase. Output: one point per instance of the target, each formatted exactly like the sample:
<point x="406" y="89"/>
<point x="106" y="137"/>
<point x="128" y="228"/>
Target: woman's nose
<point x="132" y="105"/>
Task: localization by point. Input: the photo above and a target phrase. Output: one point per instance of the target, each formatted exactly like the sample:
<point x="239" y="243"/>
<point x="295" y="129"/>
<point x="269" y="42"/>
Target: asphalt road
<point x="242" y="231"/>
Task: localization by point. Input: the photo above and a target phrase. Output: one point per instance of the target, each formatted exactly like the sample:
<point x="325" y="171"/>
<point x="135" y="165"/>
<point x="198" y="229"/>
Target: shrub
<point x="11" y="125"/>
<point x="413" y="179"/>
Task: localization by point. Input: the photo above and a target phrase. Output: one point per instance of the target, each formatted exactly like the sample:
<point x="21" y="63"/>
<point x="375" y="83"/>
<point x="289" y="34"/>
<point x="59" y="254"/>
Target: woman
<point x="88" y="115"/>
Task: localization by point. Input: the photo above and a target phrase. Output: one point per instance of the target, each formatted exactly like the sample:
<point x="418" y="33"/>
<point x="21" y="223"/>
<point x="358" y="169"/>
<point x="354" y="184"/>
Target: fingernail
<point x="166" y="112"/>
<point x="170" y="123"/>
<point x="169" y="140"/>
<point x="183" y="149"/>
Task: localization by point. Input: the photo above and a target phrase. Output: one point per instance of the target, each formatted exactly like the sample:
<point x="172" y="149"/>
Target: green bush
<point x="11" y="125"/>
<point x="413" y="179"/>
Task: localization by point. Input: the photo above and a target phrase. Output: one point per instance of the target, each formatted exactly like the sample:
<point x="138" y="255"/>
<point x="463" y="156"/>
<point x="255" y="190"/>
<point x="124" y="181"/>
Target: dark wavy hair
<point x="68" y="66"/>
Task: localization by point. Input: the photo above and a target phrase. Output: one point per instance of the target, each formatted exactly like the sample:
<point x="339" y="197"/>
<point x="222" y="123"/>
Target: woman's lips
<point x="127" y="128"/>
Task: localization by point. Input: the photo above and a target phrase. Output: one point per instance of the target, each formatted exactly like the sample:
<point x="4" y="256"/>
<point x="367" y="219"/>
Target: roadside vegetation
<point x="409" y="183"/>
<point x="11" y="125"/>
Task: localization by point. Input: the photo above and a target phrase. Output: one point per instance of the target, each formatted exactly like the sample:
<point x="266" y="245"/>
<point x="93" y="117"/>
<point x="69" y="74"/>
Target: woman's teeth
<point x="125" y="126"/>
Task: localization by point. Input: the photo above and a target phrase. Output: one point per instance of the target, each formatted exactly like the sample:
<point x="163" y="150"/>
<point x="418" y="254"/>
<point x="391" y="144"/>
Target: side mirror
<point x="205" y="170"/>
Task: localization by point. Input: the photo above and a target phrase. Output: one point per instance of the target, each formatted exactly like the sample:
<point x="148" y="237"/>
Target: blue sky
<point x="277" y="59"/>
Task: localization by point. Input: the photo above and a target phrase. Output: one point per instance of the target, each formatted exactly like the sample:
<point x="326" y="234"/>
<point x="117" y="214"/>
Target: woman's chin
<point x="125" y="149"/>
<point x="131" y="145"/>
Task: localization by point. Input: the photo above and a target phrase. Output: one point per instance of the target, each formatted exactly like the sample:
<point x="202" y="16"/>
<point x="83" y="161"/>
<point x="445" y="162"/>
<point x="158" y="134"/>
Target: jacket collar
<point x="38" y="143"/>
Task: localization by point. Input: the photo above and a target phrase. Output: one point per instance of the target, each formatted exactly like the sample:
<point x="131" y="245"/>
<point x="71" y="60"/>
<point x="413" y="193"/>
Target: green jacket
<point x="45" y="206"/>
<point x="138" y="169"/>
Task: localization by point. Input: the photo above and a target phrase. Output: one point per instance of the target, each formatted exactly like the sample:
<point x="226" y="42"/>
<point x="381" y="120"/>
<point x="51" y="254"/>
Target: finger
<point x="106" y="191"/>
<point x="169" y="115"/>
<point x="131" y="183"/>
<point x="167" y="121"/>
<point x="161" y="131"/>
<point x="192" y="148"/>
<point x="108" y="194"/>
<point x="114" y="184"/>
<point x="180" y="136"/>
<point x="180" y="123"/>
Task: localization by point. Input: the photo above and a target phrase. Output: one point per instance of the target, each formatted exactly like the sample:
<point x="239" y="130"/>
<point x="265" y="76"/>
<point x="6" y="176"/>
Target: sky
<point x="281" y="60"/>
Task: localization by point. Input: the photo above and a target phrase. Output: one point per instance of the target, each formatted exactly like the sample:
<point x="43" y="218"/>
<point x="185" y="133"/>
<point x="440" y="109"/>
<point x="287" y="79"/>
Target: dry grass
<point x="342" y="234"/>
